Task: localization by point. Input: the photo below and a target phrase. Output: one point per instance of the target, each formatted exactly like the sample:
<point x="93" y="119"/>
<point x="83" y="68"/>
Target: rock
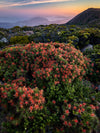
<point x="4" y="40"/>
<point x="1" y="83"/>
<point x="28" y="33"/>
<point x="88" y="47"/>
<point x="98" y="87"/>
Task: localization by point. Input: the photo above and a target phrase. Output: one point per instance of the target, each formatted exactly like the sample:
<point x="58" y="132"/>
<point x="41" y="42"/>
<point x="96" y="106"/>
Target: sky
<point x="30" y="8"/>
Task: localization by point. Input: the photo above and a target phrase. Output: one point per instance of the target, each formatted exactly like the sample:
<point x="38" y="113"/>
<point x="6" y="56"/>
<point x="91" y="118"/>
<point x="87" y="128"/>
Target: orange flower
<point x="92" y="115"/>
<point x="11" y="118"/>
<point x="74" y="107"/>
<point x="36" y="94"/>
<point x="65" y="101"/>
<point x="65" y="123"/>
<point x="69" y="106"/>
<point x="84" y="131"/>
<point x="26" y="102"/>
<point x="69" y="124"/>
<point x="83" y="109"/>
<point x="63" y="117"/>
<point x="76" y="121"/>
<point x="31" y="108"/>
<point x="87" y="123"/>
<point x="16" y="94"/>
<point x="67" y="112"/>
<point x="92" y="107"/>
<point x="80" y="105"/>
<point x="53" y="101"/>
<point x="79" y="111"/>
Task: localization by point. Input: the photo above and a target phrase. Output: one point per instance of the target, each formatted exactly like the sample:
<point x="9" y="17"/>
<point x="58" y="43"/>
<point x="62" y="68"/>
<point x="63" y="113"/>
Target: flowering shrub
<point x="40" y="64"/>
<point x="21" y="103"/>
<point x="56" y="68"/>
<point x="97" y="51"/>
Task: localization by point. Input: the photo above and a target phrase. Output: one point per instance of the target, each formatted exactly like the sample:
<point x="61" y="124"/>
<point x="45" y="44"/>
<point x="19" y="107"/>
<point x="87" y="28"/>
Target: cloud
<point x="12" y="3"/>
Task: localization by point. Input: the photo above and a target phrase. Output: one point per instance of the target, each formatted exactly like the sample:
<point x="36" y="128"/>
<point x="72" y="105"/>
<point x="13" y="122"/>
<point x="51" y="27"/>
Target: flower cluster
<point x="41" y="63"/>
<point x="17" y="100"/>
<point x="78" y="116"/>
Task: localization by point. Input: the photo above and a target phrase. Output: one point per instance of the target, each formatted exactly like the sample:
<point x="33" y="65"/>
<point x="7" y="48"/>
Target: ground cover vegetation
<point x="80" y="36"/>
<point x="48" y="84"/>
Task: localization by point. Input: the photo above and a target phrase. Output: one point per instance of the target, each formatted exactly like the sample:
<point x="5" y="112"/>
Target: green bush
<point x="83" y="38"/>
<point x="1" y="34"/>
<point x="19" y="40"/>
<point x="97" y="51"/>
<point x="73" y="40"/>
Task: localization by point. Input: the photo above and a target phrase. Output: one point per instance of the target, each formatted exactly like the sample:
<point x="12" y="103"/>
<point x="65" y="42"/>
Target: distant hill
<point x="33" y="22"/>
<point x="6" y="25"/>
<point x="89" y="16"/>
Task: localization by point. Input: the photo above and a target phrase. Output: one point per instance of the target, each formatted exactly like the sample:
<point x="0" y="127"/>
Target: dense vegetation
<point x="78" y="36"/>
<point x="49" y="82"/>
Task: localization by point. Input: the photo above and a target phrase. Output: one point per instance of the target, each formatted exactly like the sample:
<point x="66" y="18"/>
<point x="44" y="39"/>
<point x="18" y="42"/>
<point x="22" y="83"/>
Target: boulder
<point x="88" y="47"/>
<point x="99" y="87"/>
<point x="4" y="40"/>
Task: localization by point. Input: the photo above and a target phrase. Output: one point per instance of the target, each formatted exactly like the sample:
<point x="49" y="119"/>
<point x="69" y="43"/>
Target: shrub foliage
<point x="62" y="100"/>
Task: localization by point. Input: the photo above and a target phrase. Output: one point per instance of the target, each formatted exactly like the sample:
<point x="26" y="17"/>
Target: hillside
<point x="89" y="16"/>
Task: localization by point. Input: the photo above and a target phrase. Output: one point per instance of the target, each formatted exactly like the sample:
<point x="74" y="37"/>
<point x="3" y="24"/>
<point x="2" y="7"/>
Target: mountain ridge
<point x="86" y="17"/>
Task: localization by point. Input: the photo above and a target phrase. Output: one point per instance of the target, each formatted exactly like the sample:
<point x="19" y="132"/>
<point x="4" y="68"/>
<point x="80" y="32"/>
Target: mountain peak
<point x="93" y="8"/>
<point x="86" y="17"/>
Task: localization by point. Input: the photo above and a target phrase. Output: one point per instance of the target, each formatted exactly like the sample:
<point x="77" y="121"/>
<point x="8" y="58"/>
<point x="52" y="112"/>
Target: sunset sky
<point x="45" y="7"/>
